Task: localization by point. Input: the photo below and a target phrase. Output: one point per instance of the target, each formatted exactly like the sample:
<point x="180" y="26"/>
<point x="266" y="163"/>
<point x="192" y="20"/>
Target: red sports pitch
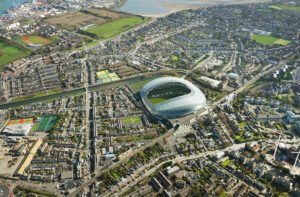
<point x="35" y="40"/>
<point x="20" y="121"/>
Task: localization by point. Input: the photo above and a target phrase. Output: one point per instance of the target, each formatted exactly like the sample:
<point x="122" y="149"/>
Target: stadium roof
<point x="175" y="107"/>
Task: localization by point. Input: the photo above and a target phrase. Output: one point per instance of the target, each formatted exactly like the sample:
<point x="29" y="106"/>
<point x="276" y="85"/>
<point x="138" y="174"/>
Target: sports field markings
<point x="36" y="40"/>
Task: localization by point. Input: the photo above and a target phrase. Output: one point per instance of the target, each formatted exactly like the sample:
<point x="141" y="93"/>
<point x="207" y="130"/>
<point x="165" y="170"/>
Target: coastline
<point x="19" y="4"/>
<point x="175" y="7"/>
<point x="120" y="4"/>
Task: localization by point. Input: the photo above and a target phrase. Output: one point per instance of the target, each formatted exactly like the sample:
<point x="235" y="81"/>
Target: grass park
<point x="9" y="53"/>
<point x="131" y="120"/>
<point x="110" y="29"/>
<point x="36" y="95"/>
<point x="269" y="40"/>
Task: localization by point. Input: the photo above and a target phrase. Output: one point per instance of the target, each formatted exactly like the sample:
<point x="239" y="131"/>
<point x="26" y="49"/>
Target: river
<point x="6" y="4"/>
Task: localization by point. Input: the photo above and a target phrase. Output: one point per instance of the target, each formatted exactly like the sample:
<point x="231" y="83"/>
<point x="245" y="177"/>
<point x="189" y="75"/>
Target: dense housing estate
<point x="200" y="102"/>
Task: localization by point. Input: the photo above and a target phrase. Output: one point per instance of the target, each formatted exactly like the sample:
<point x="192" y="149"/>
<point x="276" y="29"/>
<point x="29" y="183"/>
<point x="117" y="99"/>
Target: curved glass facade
<point x="185" y="97"/>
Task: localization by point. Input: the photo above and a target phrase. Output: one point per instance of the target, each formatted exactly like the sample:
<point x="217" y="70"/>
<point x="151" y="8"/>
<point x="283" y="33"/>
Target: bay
<point x="156" y="7"/>
<point x="6" y="4"/>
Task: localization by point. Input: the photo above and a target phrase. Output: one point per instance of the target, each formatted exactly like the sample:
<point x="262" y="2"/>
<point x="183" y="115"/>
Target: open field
<point x="286" y="7"/>
<point x="282" y="42"/>
<point x="35" y="40"/>
<point x="113" y="28"/>
<point x="9" y="53"/>
<point x="269" y="40"/>
<point x="82" y="18"/>
<point x="130" y="120"/>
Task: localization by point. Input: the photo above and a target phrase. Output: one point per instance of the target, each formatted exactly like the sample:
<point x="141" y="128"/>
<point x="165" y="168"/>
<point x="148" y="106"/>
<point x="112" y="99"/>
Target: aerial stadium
<point x="172" y="97"/>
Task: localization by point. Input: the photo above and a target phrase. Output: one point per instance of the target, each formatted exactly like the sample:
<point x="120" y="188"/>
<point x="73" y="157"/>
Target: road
<point x="252" y="81"/>
<point x="99" y="171"/>
<point x="132" y="180"/>
<point x="200" y="64"/>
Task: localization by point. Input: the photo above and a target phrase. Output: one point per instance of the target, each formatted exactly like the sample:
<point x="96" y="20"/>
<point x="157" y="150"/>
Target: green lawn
<point x="282" y="42"/>
<point x="109" y="30"/>
<point x="10" y="53"/>
<point x="269" y="40"/>
<point x="223" y="194"/>
<point x="275" y="7"/>
<point x="36" y="95"/>
<point x="226" y="162"/>
<point x="130" y="120"/>
<point x="116" y="175"/>
<point x="157" y="100"/>
<point x="286" y="7"/>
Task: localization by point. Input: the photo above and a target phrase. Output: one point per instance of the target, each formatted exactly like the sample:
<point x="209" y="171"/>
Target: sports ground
<point x="105" y="76"/>
<point x="19" y="121"/>
<point x="269" y="40"/>
<point x="108" y="30"/>
<point x="46" y="123"/>
<point x="35" y="40"/>
<point x="9" y="53"/>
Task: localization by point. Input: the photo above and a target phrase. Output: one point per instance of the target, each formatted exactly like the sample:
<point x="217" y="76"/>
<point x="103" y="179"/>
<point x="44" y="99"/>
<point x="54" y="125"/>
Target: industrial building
<point x="19" y="127"/>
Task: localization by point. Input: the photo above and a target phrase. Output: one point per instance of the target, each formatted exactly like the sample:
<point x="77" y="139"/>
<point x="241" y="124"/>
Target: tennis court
<point x="46" y="123"/>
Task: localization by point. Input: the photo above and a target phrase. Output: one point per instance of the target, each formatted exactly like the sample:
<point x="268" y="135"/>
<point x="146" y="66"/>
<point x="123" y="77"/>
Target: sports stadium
<point x="172" y="97"/>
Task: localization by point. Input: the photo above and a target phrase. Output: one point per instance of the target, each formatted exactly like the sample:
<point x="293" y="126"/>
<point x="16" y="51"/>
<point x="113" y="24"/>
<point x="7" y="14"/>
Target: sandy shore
<point x="175" y="7"/>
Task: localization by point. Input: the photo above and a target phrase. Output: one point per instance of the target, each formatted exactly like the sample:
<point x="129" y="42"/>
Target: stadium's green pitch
<point x="269" y="40"/>
<point x="157" y="100"/>
<point x="109" y="30"/>
<point x="163" y="98"/>
<point x="46" y="123"/>
<point x="130" y="120"/>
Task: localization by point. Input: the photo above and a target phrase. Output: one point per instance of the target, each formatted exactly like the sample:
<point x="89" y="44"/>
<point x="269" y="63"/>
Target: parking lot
<point x="8" y="163"/>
